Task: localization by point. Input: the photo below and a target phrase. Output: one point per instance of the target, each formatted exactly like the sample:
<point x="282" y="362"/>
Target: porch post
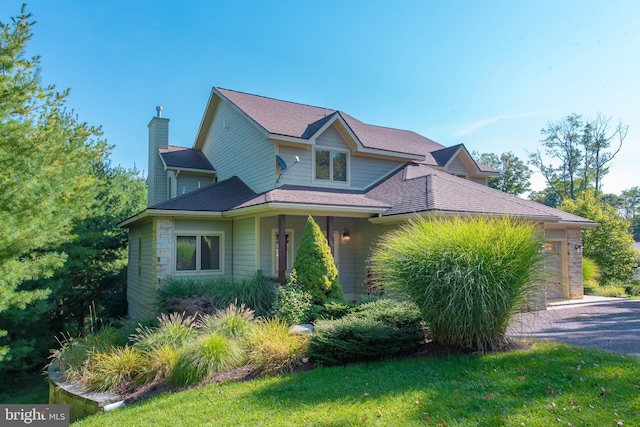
<point x="330" y="234"/>
<point x="282" y="250"/>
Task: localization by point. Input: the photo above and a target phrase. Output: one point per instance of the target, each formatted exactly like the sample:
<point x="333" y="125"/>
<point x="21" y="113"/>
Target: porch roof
<point x="414" y="189"/>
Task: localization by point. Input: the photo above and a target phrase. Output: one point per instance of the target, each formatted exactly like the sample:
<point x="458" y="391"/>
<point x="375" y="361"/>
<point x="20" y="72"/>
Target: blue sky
<point x="490" y="75"/>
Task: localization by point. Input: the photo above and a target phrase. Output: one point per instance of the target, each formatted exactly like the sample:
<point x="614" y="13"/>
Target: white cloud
<point x="472" y="127"/>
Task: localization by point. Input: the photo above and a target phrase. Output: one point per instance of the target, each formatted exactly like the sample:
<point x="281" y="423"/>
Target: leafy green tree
<point x="47" y="184"/>
<point x="577" y="153"/>
<point x="631" y="202"/>
<point x="514" y="173"/>
<point x="610" y="243"/>
<point x="548" y="196"/>
<point x="316" y="270"/>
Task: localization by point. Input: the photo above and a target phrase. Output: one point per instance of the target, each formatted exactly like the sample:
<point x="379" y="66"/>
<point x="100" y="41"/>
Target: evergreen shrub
<point x="376" y="330"/>
<point x="315" y="266"/>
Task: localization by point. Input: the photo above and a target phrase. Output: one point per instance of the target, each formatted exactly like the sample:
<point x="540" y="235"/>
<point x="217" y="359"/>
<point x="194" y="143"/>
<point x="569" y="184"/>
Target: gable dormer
<point x="457" y="161"/>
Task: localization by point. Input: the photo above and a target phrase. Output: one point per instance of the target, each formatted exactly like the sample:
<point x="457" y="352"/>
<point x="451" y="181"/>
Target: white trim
<point x="330" y="183"/>
<point x="198" y="234"/>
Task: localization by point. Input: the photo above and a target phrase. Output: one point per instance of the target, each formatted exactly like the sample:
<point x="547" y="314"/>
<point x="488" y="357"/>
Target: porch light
<point x="345" y="236"/>
<point x="578" y="248"/>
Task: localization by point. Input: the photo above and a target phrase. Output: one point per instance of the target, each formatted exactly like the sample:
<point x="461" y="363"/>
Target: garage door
<point x="553" y="270"/>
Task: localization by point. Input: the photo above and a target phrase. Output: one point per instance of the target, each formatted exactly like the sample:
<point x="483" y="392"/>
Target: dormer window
<point x="331" y="165"/>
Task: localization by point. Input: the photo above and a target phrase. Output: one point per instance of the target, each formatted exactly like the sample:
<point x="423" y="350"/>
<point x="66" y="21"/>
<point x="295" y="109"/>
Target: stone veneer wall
<point x="163" y="242"/>
<point x="574" y="264"/>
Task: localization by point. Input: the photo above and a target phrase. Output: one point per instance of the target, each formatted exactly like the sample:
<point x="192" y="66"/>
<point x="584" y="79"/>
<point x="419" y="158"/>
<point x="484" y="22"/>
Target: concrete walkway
<point x="611" y="324"/>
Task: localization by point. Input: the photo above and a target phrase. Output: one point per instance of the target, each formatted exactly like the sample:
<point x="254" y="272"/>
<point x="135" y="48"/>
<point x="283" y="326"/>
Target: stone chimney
<point x="157" y="177"/>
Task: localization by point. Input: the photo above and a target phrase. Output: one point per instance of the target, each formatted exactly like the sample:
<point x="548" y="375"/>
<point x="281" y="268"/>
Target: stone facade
<point x="163" y="243"/>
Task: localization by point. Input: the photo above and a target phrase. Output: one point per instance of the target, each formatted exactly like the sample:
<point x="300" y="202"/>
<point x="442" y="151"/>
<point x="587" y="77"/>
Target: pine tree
<point x="46" y="181"/>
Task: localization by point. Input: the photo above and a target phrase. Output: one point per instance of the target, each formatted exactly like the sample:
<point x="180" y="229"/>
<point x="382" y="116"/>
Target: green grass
<point x="549" y="384"/>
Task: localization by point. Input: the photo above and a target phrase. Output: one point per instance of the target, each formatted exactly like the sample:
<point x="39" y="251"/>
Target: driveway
<point x="611" y="324"/>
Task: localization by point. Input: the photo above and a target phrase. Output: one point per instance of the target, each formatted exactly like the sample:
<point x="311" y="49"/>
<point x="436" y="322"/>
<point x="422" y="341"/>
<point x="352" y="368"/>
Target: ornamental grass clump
<point x="175" y="330"/>
<point x="274" y="349"/>
<point x="236" y="321"/>
<point x="201" y="358"/>
<point x="468" y="276"/>
<point x="120" y="366"/>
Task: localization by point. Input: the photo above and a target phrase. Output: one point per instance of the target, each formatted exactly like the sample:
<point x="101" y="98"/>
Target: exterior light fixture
<point x="578" y="248"/>
<point x="345" y="236"/>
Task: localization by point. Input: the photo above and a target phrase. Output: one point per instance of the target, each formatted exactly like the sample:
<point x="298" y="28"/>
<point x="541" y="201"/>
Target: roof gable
<point x="304" y="122"/>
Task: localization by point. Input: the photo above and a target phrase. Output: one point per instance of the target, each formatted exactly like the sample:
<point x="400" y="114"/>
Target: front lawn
<point x="548" y="384"/>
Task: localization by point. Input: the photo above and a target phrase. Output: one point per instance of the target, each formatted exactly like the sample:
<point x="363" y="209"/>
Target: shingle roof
<point x="414" y="188"/>
<point x="419" y="188"/>
<point x="301" y="121"/>
<point x="315" y="196"/>
<point x="218" y="197"/>
<point x="185" y="158"/>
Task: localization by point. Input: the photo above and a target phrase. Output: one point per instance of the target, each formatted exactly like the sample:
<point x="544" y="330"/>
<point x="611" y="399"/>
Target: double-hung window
<point x="198" y="253"/>
<point x="331" y="165"/>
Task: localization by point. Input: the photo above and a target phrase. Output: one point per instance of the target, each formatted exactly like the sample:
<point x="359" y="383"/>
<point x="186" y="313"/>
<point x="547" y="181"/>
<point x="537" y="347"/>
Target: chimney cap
<point x="159" y="111"/>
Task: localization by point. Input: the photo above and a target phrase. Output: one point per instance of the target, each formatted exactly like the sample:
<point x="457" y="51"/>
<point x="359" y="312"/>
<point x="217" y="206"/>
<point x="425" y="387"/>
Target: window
<point x="331" y="165"/>
<point x="198" y="253"/>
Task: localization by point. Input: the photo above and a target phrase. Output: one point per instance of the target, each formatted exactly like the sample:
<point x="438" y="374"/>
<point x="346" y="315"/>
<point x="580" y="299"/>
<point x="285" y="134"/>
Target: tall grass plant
<point x="467" y="275"/>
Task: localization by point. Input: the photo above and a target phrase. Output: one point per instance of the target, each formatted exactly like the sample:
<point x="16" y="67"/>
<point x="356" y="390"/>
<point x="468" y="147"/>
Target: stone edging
<point x="81" y="403"/>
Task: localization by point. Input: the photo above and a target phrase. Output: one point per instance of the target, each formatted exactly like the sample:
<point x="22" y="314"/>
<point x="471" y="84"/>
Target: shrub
<point x="191" y="306"/>
<point x="174" y="330"/>
<point x="633" y="289"/>
<point x="376" y="330"/>
<point x="120" y="366"/>
<point x="273" y="349"/>
<point x="257" y="293"/>
<point x="315" y="267"/>
<point x="590" y="275"/>
<point x="468" y="276"/>
<point x="234" y="322"/>
<point x="611" y="291"/>
<point x="203" y="357"/>
<point x="292" y="304"/>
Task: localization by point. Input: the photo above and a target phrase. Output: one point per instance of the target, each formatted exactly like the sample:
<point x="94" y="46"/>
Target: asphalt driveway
<point x="611" y="324"/>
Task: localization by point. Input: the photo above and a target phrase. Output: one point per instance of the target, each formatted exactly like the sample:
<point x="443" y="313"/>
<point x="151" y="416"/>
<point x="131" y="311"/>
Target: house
<point x="236" y="202"/>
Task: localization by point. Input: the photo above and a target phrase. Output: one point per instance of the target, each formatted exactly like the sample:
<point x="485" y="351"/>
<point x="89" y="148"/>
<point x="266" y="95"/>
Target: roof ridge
<point x="277" y="99"/>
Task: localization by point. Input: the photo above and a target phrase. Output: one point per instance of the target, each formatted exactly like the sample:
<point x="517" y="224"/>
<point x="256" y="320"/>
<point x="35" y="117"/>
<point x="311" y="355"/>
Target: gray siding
<point x="140" y="289"/>
<point x="235" y="147"/>
<point x="457" y="167"/>
<point x="187" y="182"/>
<point x="245" y="236"/>
<point x="363" y="171"/>
<point x="156" y="176"/>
